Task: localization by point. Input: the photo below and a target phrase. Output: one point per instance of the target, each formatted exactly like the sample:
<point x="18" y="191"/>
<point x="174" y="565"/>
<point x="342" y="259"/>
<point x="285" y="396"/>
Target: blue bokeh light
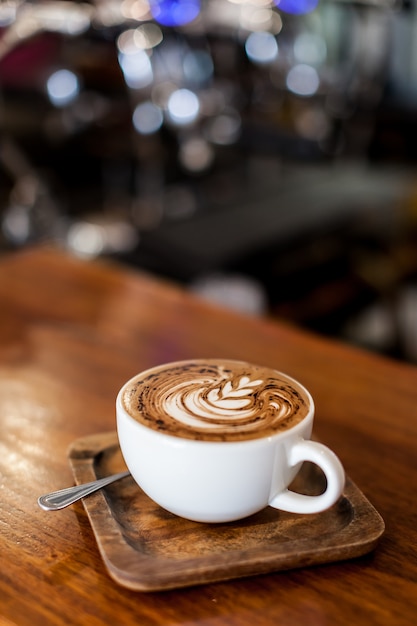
<point x="174" y="12"/>
<point x="296" y="7"/>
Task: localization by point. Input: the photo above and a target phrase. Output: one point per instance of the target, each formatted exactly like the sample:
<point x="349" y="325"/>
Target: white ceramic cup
<point x="222" y="481"/>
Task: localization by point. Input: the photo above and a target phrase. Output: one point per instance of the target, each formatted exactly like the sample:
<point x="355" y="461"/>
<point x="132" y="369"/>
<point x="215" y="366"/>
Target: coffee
<point x="215" y="400"/>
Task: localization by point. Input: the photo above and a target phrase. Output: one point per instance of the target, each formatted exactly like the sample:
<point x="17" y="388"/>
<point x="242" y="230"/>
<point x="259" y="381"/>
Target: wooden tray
<point x="145" y="548"/>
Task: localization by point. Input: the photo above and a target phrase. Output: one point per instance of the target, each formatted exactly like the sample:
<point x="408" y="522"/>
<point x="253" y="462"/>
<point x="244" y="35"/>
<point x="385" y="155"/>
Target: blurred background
<point x="262" y="154"/>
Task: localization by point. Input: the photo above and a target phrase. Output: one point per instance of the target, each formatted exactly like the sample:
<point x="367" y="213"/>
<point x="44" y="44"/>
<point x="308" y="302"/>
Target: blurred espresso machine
<point x="193" y="137"/>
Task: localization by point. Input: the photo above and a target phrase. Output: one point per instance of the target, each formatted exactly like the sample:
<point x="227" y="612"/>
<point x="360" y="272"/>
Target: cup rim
<point x="120" y="408"/>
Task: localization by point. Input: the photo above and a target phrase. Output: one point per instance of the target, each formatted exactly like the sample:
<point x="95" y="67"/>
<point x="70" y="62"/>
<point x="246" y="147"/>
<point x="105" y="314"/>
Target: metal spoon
<point x="64" y="497"/>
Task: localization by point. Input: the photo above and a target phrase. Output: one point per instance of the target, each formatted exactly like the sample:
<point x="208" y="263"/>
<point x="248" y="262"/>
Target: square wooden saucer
<point x="145" y="548"/>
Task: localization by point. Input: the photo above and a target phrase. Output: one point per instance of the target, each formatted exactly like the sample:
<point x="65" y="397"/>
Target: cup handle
<point x="305" y="450"/>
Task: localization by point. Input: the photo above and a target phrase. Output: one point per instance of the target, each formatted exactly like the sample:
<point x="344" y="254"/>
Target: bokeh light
<point x="147" y="36"/>
<point x="183" y="107"/>
<point x="261" y="47"/>
<point x="224" y="129"/>
<point x="310" y="48"/>
<point x="135" y="9"/>
<point x="198" y="66"/>
<point x="62" y="87"/>
<point x="296" y="7"/>
<point x="136" y="68"/>
<point x="303" y="80"/>
<point x="147" y="118"/>
<point x="196" y="155"/>
<point x="174" y="12"/>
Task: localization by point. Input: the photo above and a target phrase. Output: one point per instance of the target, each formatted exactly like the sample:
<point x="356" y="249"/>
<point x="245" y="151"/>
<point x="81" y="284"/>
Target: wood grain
<point x="148" y="549"/>
<point x="71" y="332"/>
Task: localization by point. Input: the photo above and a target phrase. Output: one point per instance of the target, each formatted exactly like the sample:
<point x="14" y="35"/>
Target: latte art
<point x="215" y="400"/>
<point x="233" y="405"/>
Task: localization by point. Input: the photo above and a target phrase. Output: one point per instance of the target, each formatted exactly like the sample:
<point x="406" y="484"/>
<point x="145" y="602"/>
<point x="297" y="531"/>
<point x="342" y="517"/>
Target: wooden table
<point x="71" y="332"/>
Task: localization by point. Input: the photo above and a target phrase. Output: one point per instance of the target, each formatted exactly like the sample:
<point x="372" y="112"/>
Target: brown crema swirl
<point x="215" y="400"/>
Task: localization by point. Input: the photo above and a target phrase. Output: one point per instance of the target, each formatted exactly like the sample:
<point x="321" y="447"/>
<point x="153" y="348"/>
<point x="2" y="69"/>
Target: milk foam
<point x="220" y="400"/>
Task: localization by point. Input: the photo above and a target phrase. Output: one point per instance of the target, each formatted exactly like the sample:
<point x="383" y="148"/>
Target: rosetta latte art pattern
<point x="215" y="401"/>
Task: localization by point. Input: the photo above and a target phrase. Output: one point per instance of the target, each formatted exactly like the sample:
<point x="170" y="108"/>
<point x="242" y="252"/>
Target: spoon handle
<point x="64" y="497"/>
